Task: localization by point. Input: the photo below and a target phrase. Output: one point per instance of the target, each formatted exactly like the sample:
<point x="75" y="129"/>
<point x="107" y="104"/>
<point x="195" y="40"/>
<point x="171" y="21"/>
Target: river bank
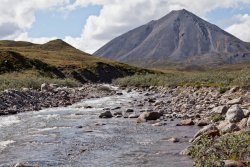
<point x="172" y="114"/>
<point x="18" y="101"/>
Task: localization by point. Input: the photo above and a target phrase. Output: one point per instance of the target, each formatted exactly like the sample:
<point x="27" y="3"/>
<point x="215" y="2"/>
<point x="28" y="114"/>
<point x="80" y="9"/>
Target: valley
<point x="172" y="92"/>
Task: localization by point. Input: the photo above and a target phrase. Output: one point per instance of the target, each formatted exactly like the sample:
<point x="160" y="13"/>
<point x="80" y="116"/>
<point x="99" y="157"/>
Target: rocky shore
<point x="194" y="106"/>
<point x="50" y="95"/>
<point x="217" y="112"/>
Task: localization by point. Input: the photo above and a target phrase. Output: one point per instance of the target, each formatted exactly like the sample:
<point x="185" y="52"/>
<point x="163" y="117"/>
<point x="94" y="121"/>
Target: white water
<point x="51" y="138"/>
<point x="4" y="144"/>
<point x="8" y="120"/>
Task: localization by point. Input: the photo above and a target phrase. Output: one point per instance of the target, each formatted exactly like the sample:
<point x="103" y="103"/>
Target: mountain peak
<point x="181" y="11"/>
<point x="56" y="44"/>
<point x="179" y="37"/>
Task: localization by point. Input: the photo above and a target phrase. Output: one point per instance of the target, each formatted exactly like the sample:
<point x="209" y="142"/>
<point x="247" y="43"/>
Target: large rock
<point x="129" y="110"/>
<point x="174" y="140"/>
<point x="44" y="87"/>
<point x="106" y="114"/>
<point x="234" y="114"/>
<point x="232" y="163"/>
<point x="235" y="101"/>
<point x="202" y="123"/>
<point x="210" y="130"/>
<point x="220" y="110"/>
<point x="133" y="116"/>
<point x="48" y="87"/>
<point x="186" y="122"/>
<point x="229" y="128"/>
<point x="145" y="116"/>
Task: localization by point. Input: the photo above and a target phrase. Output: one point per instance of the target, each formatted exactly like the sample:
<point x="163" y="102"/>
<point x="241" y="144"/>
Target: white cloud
<point x="116" y="17"/>
<point x="19" y="15"/>
<point x="25" y="37"/>
<point x="241" y="28"/>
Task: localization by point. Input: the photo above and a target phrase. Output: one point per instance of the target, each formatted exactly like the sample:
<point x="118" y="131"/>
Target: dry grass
<point x="31" y="79"/>
<point x="220" y="78"/>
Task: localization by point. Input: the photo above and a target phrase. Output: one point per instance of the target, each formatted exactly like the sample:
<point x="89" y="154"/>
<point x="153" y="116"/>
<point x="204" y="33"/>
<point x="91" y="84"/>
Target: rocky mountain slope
<point x="177" y="38"/>
<point x="57" y="59"/>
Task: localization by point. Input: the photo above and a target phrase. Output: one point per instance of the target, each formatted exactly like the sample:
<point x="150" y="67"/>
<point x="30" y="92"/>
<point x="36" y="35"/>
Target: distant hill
<point x="176" y="39"/>
<point x="9" y="43"/>
<point x="60" y="60"/>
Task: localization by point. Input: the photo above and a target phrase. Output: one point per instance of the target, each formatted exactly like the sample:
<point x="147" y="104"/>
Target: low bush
<point x="221" y="79"/>
<point x="18" y="82"/>
<point x="209" y="152"/>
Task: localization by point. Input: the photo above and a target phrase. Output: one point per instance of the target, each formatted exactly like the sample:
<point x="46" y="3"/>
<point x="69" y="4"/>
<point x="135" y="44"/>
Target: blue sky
<point x="223" y="16"/>
<point x="89" y="24"/>
<point x="60" y="24"/>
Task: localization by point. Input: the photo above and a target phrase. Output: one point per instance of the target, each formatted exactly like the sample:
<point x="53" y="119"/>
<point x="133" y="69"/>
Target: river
<point x="75" y="136"/>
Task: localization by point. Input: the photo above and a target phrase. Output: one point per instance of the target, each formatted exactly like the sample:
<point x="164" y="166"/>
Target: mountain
<point x="178" y="38"/>
<point x="58" y="59"/>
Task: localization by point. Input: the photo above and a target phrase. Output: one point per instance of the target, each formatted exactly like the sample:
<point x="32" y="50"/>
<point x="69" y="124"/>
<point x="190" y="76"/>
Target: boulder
<point x="48" y="87"/>
<point x="202" y="123"/>
<point x="220" y="110"/>
<point x="232" y="163"/>
<point x="25" y="89"/>
<point x="145" y="116"/>
<point x="229" y="128"/>
<point x="235" y="101"/>
<point x="151" y="100"/>
<point x="186" y="122"/>
<point x="79" y="126"/>
<point x="117" y="113"/>
<point x="129" y="110"/>
<point x="174" y="140"/>
<point x="234" y="114"/>
<point x="88" y="107"/>
<point x="106" y="114"/>
<point x="243" y="123"/>
<point x="44" y="87"/>
<point x="133" y="116"/>
<point x="210" y="130"/>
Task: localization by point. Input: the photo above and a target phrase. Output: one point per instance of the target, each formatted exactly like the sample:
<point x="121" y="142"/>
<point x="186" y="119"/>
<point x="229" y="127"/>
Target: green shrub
<point x="223" y="90"/>
<point x="209" y="152"/>
<point x="18" y="82"/>
<point x="215" y="117"/>
<point x="223" y="79"/>
<point x="104" y="89"/>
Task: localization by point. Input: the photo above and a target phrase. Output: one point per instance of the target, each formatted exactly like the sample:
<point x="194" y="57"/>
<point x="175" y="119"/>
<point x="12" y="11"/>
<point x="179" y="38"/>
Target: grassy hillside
<point x="226" y="76"/>
<point x="59" y="60"/>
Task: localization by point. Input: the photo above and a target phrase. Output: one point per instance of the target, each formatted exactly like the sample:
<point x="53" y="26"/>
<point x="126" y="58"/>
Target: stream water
<point x="76" y="136"/>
